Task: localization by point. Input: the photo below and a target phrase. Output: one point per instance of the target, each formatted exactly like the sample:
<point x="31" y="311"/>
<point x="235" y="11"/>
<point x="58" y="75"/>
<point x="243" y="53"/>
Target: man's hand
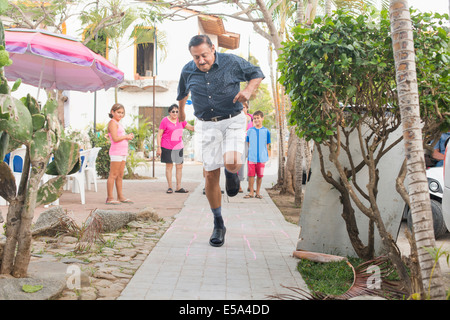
<point x="437" y="155"/>
<point x="245" y="94"/>
<point x="242" y="96"/>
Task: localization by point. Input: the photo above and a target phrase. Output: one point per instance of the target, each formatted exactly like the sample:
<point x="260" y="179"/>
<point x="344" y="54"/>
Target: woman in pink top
<point x="170" y="146"/>
<point x="118" y="153"/>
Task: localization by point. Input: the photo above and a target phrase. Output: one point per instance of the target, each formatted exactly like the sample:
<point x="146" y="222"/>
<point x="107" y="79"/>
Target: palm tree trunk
<point x="404" y="57"/>
<point x="328" y="8"/>
<point x="301" y="142"/>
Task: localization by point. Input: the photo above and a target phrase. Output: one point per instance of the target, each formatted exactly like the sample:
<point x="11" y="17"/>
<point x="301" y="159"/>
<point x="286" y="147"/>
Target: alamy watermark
<point x="374" y="280"/>
<point x="74" y="279"/>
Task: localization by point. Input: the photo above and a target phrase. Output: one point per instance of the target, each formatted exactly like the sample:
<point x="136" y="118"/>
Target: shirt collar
<point x="216" y="60"/>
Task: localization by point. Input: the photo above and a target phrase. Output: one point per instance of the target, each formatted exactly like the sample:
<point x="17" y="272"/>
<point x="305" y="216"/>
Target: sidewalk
<point x="255" y="261"/>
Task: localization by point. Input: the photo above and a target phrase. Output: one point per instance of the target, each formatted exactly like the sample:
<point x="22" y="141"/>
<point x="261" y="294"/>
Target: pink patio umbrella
<point x="55" y="61"/>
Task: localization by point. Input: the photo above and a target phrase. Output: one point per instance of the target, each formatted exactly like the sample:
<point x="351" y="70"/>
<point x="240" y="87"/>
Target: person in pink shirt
<point x="249" y="124"/>
<point x="170" y="146"/>
<point x="118" y="153"/>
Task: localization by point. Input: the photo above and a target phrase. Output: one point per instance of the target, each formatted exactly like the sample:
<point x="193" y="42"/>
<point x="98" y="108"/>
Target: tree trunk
<point x="299" y="155"/>
<point x="13" y="221"/>
<point x="12" y="231"/>
<point x="300" y="20"/>
<point x="24" y="238"/>
<point x="404" y="57"/>
<point x="348" y="213"/>
<point x="288" y="185"/>
<point x="61" y="100"/>
<point x="328" y="8"/>
<point x="280" y="179"/>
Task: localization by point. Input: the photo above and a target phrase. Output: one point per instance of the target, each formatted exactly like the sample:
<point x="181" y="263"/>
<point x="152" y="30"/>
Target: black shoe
<point x="218" y="237"/>
<point x="232" y="183"/>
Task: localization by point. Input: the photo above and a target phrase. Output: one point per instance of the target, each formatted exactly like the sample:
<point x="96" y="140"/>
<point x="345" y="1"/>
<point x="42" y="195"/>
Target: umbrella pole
<point x="40" y="79"/>
<point x="153" y="124"/>
<point x="95" y="112"/>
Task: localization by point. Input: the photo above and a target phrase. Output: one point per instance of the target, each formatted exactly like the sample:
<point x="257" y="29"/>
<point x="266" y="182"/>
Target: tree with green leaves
<point x="341" y="82"/>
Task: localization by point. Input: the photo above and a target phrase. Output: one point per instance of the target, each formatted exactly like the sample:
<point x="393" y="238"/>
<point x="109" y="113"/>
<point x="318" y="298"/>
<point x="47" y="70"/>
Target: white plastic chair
<point x="91" y="171"/>
<point x="79" y="178"/>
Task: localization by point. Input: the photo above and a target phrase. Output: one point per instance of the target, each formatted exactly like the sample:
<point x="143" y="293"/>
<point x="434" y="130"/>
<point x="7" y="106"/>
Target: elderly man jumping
<point x="213" y="80"/>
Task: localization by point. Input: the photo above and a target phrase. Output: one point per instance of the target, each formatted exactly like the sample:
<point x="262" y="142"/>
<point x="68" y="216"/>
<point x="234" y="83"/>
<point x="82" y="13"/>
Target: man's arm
<point x="437" y="155"/>
<point x="181" y="112"/>
<point x="245" y="94"/>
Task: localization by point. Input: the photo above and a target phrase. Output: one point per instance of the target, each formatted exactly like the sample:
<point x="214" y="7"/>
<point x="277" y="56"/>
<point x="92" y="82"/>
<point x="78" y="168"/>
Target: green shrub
<point x="100" y="139"/>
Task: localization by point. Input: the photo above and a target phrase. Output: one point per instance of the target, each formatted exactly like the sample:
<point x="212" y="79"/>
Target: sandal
<point x="112" y="202"/>
<point x="169" y="190"/>
<point x="126" y="201"/>
<point x="181" y="190"/>
<point x="258" y="196"/>
<point x="248" y="196"/>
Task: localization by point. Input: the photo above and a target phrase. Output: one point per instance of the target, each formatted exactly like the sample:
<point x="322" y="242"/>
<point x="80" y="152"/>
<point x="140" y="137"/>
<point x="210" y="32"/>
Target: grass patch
<point x="332" y="278"/>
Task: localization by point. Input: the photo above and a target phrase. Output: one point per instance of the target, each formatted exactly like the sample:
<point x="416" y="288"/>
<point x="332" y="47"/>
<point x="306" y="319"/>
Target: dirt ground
<point x="286" y="204"/>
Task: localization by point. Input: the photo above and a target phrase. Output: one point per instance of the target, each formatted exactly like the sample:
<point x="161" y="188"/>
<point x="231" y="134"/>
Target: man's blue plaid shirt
<point x="212" y="92"/>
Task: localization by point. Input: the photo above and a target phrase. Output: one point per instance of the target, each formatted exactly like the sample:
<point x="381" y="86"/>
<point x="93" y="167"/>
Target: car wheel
<point x="438" y="220"/>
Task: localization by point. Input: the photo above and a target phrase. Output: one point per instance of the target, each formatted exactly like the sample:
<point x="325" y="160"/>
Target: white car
<point x="441" y="218"/>
<point x="446" y="193"/>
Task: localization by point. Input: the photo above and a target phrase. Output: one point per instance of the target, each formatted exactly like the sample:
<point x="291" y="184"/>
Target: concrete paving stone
<point x="237" y="275"/>
<point x="238" y="283"/>
<point x="188" y="272"/>
<point x="211" y="295"/>
<point x="133" y="293"/>
<point x="260" y="295"/>
<point x="185" y="295"/>
<point x="214" y="270"/>
<point x="214" y="281"/>
<point x="188" y="284"/>
<point x="233" y="293"/>
<point x="158" y="295"/>
<point x="236" y="296"/>
<point x="171" y="267"/>
<point x="170" y="276"/>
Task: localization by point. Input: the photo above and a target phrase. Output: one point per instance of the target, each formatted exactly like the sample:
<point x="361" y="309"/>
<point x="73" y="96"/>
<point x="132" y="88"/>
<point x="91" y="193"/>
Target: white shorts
<point x="118" y="158"/>
<point x="218" y="138"/>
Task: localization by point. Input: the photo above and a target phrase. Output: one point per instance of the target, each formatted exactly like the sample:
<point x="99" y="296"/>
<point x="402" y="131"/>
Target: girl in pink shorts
<point x="118" y="153"/>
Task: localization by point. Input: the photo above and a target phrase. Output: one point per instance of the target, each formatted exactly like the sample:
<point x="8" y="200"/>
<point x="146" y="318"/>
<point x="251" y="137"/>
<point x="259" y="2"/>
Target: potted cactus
<point x="23" y="122"/>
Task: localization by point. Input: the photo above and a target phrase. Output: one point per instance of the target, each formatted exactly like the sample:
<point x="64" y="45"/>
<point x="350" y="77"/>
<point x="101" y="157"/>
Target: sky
<point x="440" y="6"/>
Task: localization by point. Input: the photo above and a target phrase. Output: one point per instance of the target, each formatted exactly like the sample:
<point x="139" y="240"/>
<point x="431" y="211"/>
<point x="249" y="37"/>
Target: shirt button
<point x="209" y="97"/>
<point x="212" y="109"/>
